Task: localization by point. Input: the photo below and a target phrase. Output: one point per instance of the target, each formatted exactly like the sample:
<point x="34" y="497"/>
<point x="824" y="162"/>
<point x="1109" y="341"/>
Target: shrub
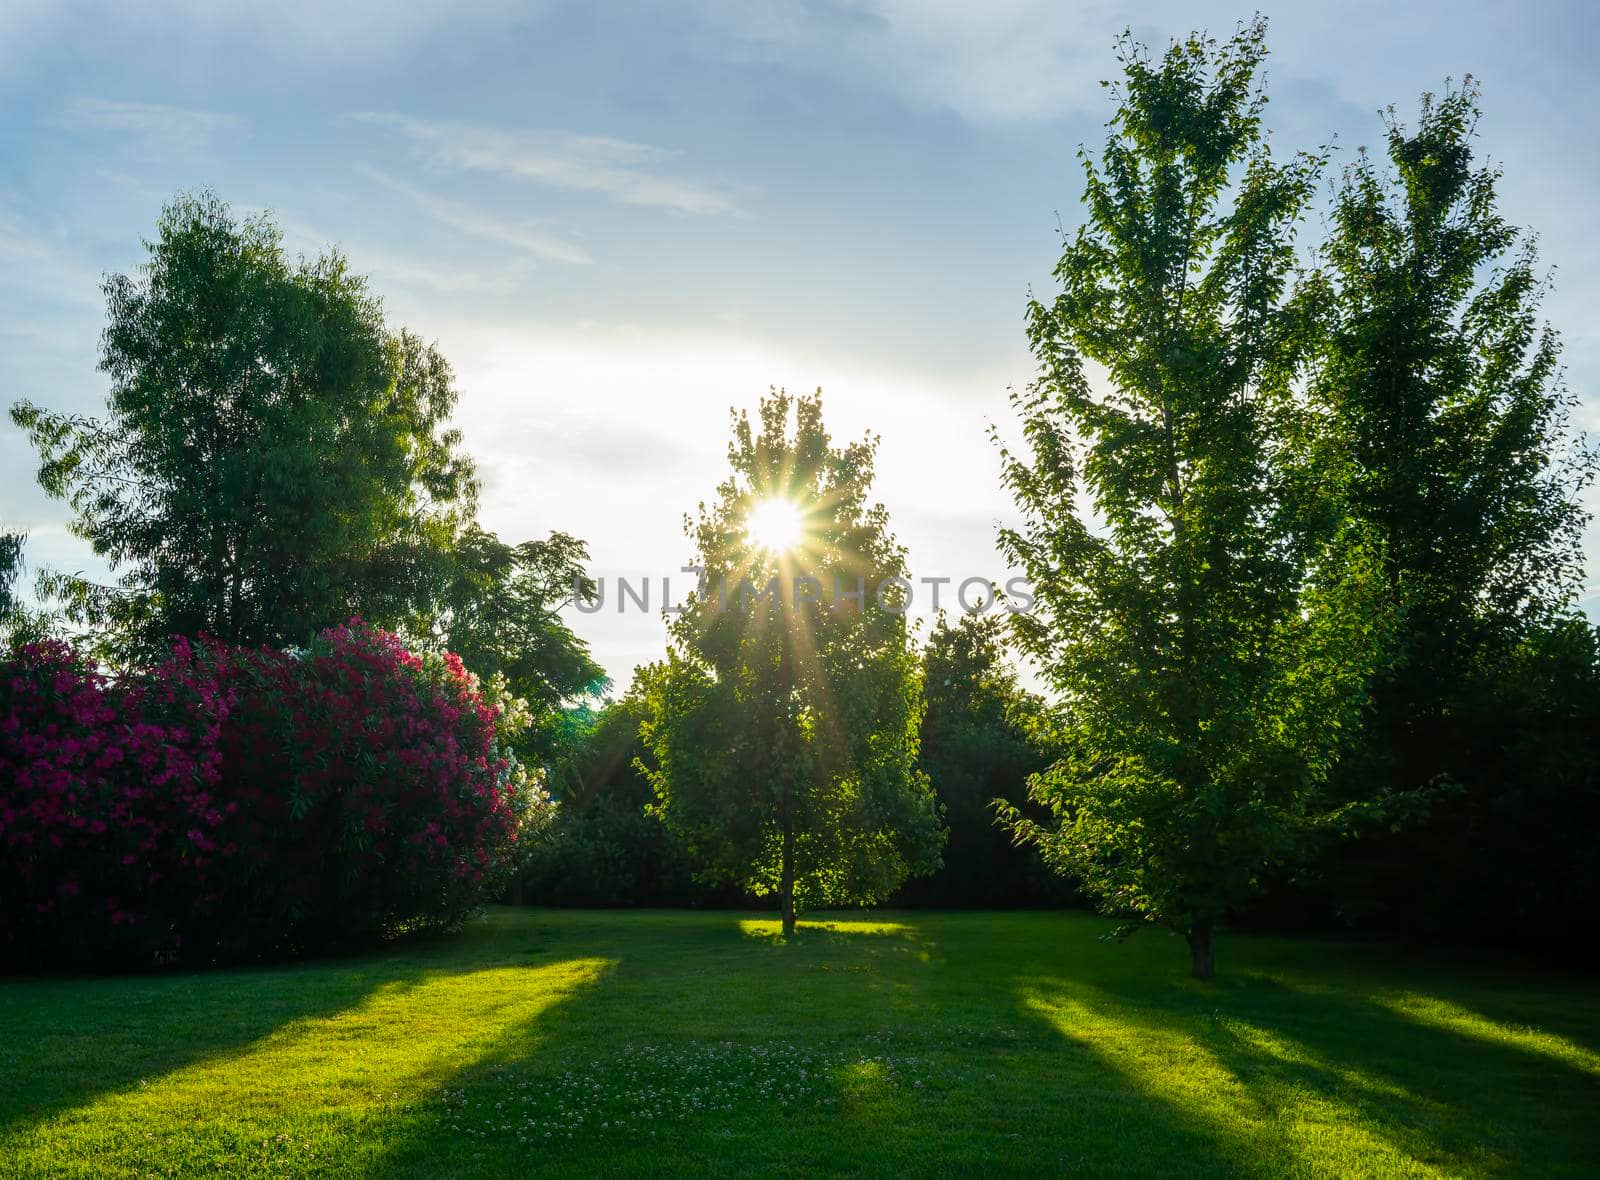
<point x="604" y="848"/>
<point x="238" y="803"/>
<point x="109" y="809"/>
<point x="378" y="788"/>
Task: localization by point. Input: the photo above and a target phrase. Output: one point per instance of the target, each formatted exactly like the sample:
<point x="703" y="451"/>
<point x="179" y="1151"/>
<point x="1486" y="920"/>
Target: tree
<point x="783" y="726"/>
<point x="1437" y="418"/>
<point x="982" y="736"/>
<point x="1207" y="667"/>
<point x="10" y="569"/>
<point x="273" y="459"/>
<point x="19" y="623"/>
<point x="605" y="847"/>
<point x="499" y="611"/>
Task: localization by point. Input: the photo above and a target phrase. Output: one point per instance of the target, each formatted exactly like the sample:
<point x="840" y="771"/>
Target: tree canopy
<point x="1208" y="664"/>
<point x="272" y="458"/>
<point x="783" y="725"/>
<point x="499" y="610"/>
<point x="982" y="735"/>
<point x="1436" y="417"/>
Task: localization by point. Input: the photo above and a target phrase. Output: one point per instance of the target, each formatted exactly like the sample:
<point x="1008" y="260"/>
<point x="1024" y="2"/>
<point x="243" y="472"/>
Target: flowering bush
<point x="238" y="803"/>
<point x="108" y="802"/>
<point x="377" y="783"/>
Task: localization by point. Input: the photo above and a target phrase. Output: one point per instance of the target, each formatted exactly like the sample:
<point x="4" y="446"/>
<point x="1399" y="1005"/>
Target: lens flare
<point x="775" y="525"/>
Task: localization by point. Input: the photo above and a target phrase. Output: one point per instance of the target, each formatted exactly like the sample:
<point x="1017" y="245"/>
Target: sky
<point x="619" y="220"/>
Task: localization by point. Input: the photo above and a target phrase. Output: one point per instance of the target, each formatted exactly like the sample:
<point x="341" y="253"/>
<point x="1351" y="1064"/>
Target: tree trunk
<point x="787" y="885"/>
<point x="1202" y="955"/>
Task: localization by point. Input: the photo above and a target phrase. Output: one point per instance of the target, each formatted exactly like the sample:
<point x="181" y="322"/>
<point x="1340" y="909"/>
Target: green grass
<point x="585" y="1043"/>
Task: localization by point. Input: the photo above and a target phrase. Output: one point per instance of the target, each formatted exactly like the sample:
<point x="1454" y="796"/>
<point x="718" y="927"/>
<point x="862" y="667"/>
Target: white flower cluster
<point x="644" y="1090"/>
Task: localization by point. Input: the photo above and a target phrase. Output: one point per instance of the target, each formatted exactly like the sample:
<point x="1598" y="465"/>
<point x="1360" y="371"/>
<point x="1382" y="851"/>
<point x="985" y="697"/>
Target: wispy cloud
<point x="617" y="168"/>
<point x="17" y="240"/>
<point x="468" y="220"/>
<point x="991" y="62"/>
<point x="44" y="264"/>
<point x="177" y="126"/>
<point x="390" y="268"/>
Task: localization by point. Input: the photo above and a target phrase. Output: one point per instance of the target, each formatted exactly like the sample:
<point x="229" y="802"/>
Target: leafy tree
<point x="1437" y="418"/>
<point x="273" y="459"/>
<point x="1206" y="673"/>
<point x="783" y="726"/>
<point x="499" y="611"/>
<point x="604" y="846"/>
<point x="1438" y="413"/>
<point x="982" y="736"/>
<point x="10" y="569"/>
<point x="19" y="623"/>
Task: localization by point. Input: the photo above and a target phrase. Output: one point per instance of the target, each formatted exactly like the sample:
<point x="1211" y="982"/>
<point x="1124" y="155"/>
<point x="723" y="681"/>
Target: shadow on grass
<point x="578" y="1043"/>
<point x="1280" y="1076"/>
<point x="848" y="1048"/>
<point x="138" y="1064"/>
<point x="919" y="1047"/>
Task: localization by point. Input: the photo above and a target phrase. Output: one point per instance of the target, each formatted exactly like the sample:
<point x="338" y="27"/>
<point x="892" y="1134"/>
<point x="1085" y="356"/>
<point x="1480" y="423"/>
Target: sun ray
<point x="776" y="525"/>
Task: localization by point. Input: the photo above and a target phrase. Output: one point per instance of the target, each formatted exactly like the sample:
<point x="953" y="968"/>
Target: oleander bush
<point x="239" y="803"/>
<point x="111" y="821"/>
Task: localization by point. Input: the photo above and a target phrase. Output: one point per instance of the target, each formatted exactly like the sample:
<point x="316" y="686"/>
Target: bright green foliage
<point x="665" y="1044"/>
<point x="1438" y="415"/>
<point x="273" y="459"/>
<point x="1207" y="674"/>
<point x="499" y="611"/>
<point x="784" y="722"/>
<point x="1437" y="419"/>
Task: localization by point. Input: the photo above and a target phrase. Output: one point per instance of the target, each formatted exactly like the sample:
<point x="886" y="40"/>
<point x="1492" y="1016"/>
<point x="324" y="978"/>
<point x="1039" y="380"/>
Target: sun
<point x="775" y="525"/>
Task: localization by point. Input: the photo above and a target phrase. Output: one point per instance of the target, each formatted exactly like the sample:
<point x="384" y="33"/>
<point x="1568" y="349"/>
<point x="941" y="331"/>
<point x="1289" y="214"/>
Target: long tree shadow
<point x="909" y="1044"/>
<point x="849" y="1047"/>
<point x="1293" y="1076"/>
<point x="705" y="1030"/>
<point x="913" y="1045"/>
<point x="130" y="1063"/>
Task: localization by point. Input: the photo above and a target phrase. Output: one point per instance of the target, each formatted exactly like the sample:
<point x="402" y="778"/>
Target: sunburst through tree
<point x="784" y="723"/>
<point x="775" y="526"/>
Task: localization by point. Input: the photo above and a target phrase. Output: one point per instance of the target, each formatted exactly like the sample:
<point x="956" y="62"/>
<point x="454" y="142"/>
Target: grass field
<point x="668" y="1043"/>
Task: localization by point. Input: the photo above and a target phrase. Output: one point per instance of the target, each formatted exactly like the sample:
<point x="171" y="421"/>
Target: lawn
<point x="670" y="1043"/>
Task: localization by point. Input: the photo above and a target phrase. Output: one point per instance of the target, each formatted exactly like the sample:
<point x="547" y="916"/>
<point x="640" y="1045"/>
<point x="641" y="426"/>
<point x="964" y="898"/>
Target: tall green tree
<point x="783" y="726"/>
<point x="1206" y="671"/>
<point x="1436" y="417"/>
<point x="500" y="611"/>
<point x="272" y="458"/>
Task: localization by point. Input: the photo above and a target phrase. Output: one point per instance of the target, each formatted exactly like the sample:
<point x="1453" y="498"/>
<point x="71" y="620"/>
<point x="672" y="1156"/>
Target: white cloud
<point x="176" y="126"/>
<point x="585" y="163"/>
<point x="1042" y="59"/>
<point x="389" y="268"/>
<point x="468" y="220"/>
<point x="17" y="240"/>
<point x="1003" y="59"/>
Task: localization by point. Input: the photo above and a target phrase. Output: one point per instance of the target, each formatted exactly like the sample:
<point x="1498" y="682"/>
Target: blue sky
<point x="618" y="220"/>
